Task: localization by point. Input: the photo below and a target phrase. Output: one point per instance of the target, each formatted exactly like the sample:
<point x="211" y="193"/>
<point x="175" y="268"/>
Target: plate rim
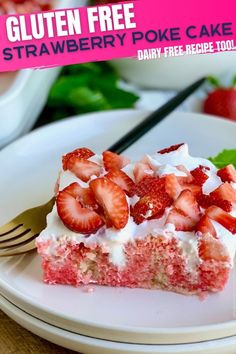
<point x="118" y="333"/>
<point x="4" y="302"/>
<point x="91" y="115"/>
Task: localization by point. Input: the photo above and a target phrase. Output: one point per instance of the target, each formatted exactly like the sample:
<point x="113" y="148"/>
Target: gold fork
<point x="18" y="236"/>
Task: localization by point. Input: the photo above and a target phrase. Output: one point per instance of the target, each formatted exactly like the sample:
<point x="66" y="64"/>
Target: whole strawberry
<point x="221" y="102"/>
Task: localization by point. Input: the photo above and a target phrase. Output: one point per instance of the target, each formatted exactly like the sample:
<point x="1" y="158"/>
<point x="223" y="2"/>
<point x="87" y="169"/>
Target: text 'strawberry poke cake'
<point x="164" y="222"/>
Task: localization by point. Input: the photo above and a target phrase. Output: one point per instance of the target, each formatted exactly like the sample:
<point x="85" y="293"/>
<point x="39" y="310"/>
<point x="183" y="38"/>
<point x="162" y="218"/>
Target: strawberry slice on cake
<point x="166" y="222"/>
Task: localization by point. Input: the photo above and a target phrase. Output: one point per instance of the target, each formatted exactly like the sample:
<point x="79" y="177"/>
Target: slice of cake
<point x="164" y="222"/>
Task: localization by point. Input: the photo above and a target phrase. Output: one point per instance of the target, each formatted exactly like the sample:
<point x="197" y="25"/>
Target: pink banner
<point x="141" y="29"/>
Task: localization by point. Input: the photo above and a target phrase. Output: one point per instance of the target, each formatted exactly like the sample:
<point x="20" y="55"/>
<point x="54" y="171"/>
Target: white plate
<point x="89" y="345"/>
<point x="30" y="168"/>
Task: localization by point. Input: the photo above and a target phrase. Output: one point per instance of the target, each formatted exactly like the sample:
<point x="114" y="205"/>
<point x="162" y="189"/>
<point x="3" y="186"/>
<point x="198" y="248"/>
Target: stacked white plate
<point x="109" y="320"/>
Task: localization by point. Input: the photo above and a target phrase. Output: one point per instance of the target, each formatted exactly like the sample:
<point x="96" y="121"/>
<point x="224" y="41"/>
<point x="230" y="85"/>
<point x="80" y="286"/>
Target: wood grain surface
<point x="14" y="339"/>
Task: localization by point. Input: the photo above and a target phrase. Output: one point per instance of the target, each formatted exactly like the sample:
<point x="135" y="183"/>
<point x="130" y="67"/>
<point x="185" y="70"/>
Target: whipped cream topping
<point x="166" y="164"/>
<point x="113" y="241"/>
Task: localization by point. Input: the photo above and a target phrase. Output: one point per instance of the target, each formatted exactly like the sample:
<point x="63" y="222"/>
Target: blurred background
<point x="31" y="98"/>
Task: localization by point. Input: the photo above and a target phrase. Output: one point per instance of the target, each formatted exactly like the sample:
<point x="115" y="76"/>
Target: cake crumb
<point x="88" y="289"/>
<point x="203" y="296"/>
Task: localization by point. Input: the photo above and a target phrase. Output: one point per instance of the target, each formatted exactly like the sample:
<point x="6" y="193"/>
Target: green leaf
<point x="213" y="81"/>
<point x="85" y="88"/>
<point x="234" y="81"/>
<point x="224" y="158"/>
<point x="59" y="114"/>
<point x="119" y="98"/>
<point x="107" y="80"/>
<point x="84" y="99"/>
<point x="58" y="95"/>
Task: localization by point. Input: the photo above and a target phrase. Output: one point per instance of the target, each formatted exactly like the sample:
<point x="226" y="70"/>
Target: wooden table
<point x="14" y="339"/>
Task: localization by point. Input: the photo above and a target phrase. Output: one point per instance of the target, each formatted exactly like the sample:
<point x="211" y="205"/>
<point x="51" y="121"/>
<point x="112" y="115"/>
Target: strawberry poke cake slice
<point x="166" y="222"/>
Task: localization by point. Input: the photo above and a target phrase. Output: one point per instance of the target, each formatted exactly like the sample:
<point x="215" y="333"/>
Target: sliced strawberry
<point x="113" y="201"/>
<point x="57" y="184"/>
<point x="149" y="185"/>
<point x="194" y="188"/>
<point x="146" y="161"/>
<point x="170" y="149"/>
<point x="83" y="168"/>
<point x="183" y="179"/>
<point x="205" y="226"/>
<point x="225" y="192"/>
<point x="105" y="218"/>
<point x="210" y="248"/>
<point x="227" y="174"/>
<point x="84" y="153"/>
<point x="188" y="205"/>
<point x="74" y="189"/>
<point x="122" y="180"/>
<point x="205" y="201"/>
<point x="172" y="186"/>
<point x="204" y="168"/>
<point x="200" y="177"/>
<point x="223" y="218"/>
<point x="181" y="221"/>
<point x="158" y="215"/>
<point x="83" y="195"/>
<point x="149" y="206"/>
<point x="88" y="200"/>
<point x="142" y="170"/>
<point x="113" y="161"/>
<point x="74" y="216"/>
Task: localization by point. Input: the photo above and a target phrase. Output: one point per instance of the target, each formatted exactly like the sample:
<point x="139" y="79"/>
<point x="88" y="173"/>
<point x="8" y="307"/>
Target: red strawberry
<point x="142" y="170"/>
<point x="149" y="206"/>
<point x="181" y="221"/>
<point x="146" y="161"/>
<point x="113" y="201"/>
<point x="83" y="168"/>
<point x="194" y="188"/>
<point x="210" y="248"/>
<point x="158" y="215"/>
<point x="88" y="200"/>
<point x="172" y="186"/>
<point x="199" y="176"/>
<point x="205" y="226"/>
<point x="83" y="195"/>
<point x="205" y="201"/>
<point x="113" y="161"/>
<point x="74" y="216"/>
<point x="221" y="102"/>
<point x="149" y="185"/>
<point x="170" y="149"/>
<point x="187" y="204"/>
<point x="225" y="192"/>
<point x="227" y="174"/>
<point x="183" y="179"/>
<point x="84" y="153"/>
<point x="122" y="180"/>
<point x="223" y="218"/>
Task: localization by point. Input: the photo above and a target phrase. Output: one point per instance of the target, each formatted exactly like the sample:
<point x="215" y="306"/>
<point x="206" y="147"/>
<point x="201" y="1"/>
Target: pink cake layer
<point x="152" y="263"/>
